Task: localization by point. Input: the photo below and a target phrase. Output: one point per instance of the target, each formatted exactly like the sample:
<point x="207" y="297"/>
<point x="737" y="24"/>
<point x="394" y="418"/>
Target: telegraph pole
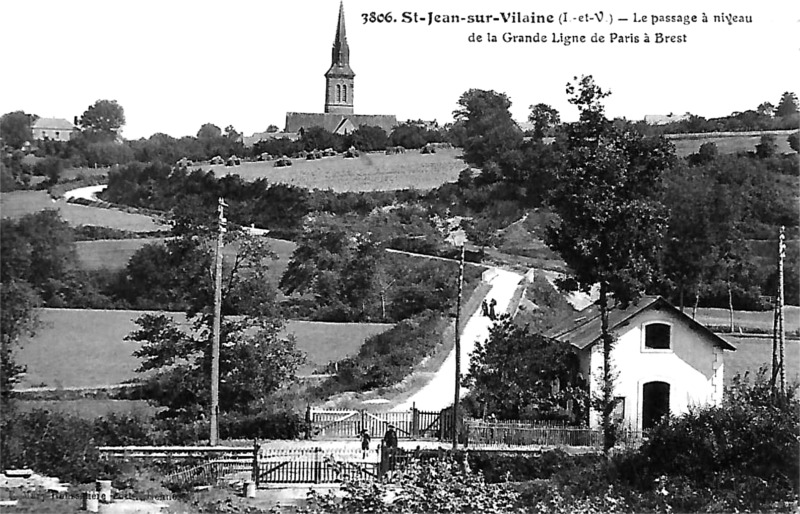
<point x="457" y="398"/>
<point x="221" y="229"/>
<point x="781" y="330"/>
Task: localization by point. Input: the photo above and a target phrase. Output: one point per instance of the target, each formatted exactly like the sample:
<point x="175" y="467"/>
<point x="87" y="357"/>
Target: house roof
<point x="584" y="330"/>
<point x="53" y="124"/>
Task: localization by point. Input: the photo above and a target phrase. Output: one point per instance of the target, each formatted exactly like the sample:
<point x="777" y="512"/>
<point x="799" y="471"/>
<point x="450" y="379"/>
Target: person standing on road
<point x="484" y="308"/>
<point x="492" y="314"/>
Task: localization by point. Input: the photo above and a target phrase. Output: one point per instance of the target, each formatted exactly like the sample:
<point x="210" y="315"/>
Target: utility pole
<point x="456" y="399"/>
<point x="221" y="229"/>
<point x="781" y="330"/>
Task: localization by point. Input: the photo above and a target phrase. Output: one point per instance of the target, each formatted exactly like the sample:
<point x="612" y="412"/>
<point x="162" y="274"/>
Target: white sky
<point x="174" y="65"/>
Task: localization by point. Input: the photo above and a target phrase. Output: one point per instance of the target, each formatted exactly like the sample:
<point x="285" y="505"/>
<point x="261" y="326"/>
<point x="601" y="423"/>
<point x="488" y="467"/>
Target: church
<point x="339" y="116"/>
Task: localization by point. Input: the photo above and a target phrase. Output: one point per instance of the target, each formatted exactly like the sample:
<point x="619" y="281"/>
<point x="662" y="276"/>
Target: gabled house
<point x="665" y="362"/>
<point x="55" y="129"/>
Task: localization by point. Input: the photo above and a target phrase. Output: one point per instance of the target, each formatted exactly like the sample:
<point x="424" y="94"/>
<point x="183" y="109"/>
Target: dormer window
<point x="657" y="336"/>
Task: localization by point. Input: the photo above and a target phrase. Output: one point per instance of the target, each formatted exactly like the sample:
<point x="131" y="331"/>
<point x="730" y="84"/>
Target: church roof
<point x="330" y="121"/>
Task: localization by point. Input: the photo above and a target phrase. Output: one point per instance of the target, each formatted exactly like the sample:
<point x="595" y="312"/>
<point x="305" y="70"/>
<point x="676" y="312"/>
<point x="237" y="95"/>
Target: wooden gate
<point x="315" y="465"/>
<point x="336" y="423"/>
<point x="346" y="424"/>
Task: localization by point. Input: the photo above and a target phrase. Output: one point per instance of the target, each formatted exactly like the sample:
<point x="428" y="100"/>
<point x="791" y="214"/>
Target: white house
<point x="56" y="129"/>
<point x="664" y="360"/>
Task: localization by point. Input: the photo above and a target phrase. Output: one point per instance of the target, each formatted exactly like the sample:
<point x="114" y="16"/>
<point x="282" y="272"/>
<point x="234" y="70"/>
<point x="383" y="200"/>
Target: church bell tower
<point x="339" y="78"/>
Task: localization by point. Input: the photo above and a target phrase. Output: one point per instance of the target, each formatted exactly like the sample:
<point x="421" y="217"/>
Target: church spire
<point x="341" y="50"/>
<point x="339" y="78"/>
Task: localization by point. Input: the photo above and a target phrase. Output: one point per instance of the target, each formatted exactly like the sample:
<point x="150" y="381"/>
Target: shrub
<point x="64" y="445"/>
<point x="749" y="444"/>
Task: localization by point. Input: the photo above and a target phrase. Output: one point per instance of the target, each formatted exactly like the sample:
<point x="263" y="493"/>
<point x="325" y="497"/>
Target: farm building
<point x="339" y="116"/>
<point x="665" y="361"/>
<point x="55" y="129"/>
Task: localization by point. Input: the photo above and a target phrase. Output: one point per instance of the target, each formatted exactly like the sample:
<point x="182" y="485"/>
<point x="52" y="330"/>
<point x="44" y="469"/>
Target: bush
<point x="750" y="444"/>
<point x="265" y="425"/>
<point x="64" y="445"/>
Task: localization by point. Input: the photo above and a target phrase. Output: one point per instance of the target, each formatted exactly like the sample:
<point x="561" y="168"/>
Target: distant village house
<point x="54" y="129"/>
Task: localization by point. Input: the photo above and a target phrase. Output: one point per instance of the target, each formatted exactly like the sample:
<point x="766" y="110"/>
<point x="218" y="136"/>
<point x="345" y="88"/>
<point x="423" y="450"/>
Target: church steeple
<point x="339" y="78"/>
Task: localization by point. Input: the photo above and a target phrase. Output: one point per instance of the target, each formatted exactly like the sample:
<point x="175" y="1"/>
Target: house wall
<point x="693" y="367"/>
<point x="52" y="134"/>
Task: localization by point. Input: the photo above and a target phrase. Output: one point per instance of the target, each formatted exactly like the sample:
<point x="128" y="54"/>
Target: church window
<point x="344" y="93"/>
<point x="338" y="93"/>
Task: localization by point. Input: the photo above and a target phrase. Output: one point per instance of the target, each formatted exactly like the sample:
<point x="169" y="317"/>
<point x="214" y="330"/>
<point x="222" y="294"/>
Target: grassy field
<point x="83" y="348"/>
<point x="728" y="144"/>
<point x="753" y="352"/>
<point x="761" y="320"/>
<point x="19" y="203"/>
<point x="370" y="172"/>
<point x="114" y="254"/>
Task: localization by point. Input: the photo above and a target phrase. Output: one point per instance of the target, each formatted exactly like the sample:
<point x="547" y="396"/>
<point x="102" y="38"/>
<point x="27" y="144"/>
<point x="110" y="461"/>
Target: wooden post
<point x="457" y="395"/>
<point x="363" y="419"/>
<point x="414" y="421"/>
<point x="256" y="448"/>
<point x="317" y="465"/>
<point x="214" y="436"/>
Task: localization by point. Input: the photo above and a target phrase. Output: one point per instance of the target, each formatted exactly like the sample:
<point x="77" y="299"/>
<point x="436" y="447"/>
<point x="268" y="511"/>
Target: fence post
<point x="363" y="419"/>
<point x="383" y="467"/>
<point x="414" y="421"/>
<point x="317" y="465"/>
<point x="254" y="477"/>
<point x="309" y="421"/>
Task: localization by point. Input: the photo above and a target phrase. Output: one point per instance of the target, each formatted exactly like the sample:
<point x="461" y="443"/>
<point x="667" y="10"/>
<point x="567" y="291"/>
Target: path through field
<point x="439" y="392"/>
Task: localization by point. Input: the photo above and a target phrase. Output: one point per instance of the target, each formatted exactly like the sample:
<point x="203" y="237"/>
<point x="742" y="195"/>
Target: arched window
<point x="657" y="336"/>
<point x="344" y="93"/>
<point x="338" y="93"/>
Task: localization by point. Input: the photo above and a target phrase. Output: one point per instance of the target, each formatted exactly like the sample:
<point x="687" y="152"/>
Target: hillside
<point x="82" y="348"/>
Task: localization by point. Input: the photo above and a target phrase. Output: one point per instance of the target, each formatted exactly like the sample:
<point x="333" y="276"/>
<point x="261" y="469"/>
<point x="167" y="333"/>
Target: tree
<point x="209" y="131"/>
<point x="766" y="109"/>
<point x="39" y="249"/>
<point x="18" y="317"/>
<point x="255" y="358"/>
<point x="787" y="106"/>
<point x="15" y="128"/>
<point x="492" y="137"/>
<point x="611" y="223"/>
<point x="255" y="361"/>
<point x="103" y="120"/>
<point x="337" y="267"/>
<point x="369" y="138"/>
<point x="706" y="153"/>
<point x="767" y="147"/>
<point x="538" y="383"/>
<point x="543" y="117"/>
<point x="408" y="135"/>
<point x="231" y="133"/>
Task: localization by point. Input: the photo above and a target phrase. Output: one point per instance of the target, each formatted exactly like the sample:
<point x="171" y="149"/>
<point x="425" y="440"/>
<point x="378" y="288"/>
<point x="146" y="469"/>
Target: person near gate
<point x="390" y="448"/>
<point x="365" y="439"/>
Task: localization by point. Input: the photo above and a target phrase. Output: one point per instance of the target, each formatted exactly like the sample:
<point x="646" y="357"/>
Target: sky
<point x="174" y="64"/>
